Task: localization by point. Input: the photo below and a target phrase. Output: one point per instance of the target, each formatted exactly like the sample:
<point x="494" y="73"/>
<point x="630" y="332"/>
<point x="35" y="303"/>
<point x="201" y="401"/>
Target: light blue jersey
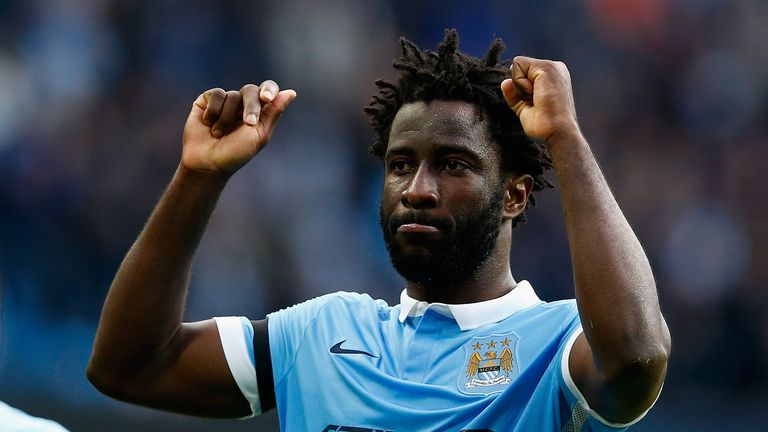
<point x="347" y="362"/>
<point x="15" y="420"/>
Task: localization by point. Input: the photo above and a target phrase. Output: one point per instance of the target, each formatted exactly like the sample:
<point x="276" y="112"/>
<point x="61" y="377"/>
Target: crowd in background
<point x="671" y="94"/>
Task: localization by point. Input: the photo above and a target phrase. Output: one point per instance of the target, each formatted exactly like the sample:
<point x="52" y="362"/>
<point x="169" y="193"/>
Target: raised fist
<point x="225" y="129"/>
<point x="540" y="93"/>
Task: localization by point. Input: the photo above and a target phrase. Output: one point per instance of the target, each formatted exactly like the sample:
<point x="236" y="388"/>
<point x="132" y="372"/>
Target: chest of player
<point x="425" y="369"/>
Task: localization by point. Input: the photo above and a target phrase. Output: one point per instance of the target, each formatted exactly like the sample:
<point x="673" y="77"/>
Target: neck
<point x="492" y="280"/>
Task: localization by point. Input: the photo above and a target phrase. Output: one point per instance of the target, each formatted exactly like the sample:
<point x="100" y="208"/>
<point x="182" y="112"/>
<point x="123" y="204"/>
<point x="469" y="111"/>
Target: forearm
<point x="620" y="362"/>
<point x="144" y="307"/>
<point x="615" y="288"/>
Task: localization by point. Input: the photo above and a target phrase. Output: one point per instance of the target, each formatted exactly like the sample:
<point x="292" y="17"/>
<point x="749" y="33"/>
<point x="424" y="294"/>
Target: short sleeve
<point x="583" y="418"/>
<point x="15" y="420"/>
<point x="236" y="334"/>
<point x="287" y="328"/>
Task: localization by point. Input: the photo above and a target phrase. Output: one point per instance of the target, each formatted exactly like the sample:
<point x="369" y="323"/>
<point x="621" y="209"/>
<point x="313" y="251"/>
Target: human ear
<point x="517" y="189"/>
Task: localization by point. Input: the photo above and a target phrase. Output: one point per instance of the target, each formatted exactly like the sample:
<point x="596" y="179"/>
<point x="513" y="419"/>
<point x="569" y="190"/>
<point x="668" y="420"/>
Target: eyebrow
<point x="399" y="151"/>
<point x="444" y="149"/>
<point x="441" y="150"/>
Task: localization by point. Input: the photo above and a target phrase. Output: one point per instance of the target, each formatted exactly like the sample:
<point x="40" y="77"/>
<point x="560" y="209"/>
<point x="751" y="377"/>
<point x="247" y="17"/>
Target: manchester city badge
<point x="490" y="364"/>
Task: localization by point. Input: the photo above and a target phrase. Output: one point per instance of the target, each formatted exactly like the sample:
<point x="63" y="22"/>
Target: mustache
<point x="420" y="218"/>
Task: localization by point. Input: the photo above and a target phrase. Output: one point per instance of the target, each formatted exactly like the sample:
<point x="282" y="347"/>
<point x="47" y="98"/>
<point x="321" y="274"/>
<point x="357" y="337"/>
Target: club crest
<point x="490" y="364"/>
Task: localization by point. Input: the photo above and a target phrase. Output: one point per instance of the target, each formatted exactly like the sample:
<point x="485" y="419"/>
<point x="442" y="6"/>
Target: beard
<point x="457" y="256"/>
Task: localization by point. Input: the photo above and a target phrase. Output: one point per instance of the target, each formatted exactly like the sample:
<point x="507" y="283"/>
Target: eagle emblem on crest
<point x="490" y="364"/>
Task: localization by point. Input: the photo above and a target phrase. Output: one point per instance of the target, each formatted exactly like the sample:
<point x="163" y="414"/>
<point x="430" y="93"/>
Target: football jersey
<point x="347" y="362"/>
<point x="15" y="420"/>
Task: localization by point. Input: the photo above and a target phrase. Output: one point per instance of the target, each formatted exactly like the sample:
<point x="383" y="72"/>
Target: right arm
<point x="143" y="352"/>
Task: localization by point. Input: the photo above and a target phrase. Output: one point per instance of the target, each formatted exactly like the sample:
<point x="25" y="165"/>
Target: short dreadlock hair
<point x="449" y="74"/>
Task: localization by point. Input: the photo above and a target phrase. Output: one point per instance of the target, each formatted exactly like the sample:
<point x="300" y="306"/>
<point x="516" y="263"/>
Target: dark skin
<point x="620" y="360"/>
<point x="440" y="160"/>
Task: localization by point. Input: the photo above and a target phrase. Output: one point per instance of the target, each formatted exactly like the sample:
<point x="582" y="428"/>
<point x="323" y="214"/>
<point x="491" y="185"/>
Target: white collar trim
<point x="470" y="316"/>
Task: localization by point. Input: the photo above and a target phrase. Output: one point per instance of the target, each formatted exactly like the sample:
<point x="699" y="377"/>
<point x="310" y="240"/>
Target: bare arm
<point x="143" y="353"/>
<point x="620" y="361"/>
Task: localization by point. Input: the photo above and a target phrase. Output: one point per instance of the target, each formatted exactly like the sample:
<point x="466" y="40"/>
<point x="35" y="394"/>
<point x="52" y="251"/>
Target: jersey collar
<point x="470" y="316"/>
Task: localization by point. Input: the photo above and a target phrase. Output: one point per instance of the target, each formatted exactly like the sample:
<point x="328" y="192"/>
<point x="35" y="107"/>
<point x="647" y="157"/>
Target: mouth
<point x="416" y="228"/>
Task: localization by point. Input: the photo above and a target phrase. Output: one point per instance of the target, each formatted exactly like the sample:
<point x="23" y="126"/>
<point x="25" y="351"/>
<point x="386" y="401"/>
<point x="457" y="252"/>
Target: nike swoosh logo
<point x="337" y="349"/>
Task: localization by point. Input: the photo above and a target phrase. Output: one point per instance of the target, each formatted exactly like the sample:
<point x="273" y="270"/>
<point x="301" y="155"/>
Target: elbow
<point x="642" y="369"/>
<point x="107" y="381"/>
<point x="633" y="370"/>
<point x="656" y="356"/>
<point x="100" y="379"/>
<point x="647" y="356"/>
<point x="647" y="368"/>
<point x="632" y="388"/>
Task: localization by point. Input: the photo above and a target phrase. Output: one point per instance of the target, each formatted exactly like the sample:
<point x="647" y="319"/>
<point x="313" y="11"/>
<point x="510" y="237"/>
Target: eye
<point x="399" y="166"/>
<point x="455" y="165"/>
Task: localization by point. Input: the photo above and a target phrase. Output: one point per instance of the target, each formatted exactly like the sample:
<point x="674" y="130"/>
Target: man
<point x="469" y="347"/>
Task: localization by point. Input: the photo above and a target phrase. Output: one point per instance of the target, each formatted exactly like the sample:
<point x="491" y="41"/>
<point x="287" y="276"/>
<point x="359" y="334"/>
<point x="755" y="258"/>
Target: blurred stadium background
<point x="672" y="94"/>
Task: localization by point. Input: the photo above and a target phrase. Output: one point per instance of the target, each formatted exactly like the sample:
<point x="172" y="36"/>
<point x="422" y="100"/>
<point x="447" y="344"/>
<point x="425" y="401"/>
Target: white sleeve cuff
<point x="236" y="334"/>
<point x="565" y="368"/>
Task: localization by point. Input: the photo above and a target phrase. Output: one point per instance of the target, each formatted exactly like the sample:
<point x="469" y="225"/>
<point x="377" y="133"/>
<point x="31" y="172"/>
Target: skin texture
<point x="143" y="353"/>
<point x="620" y="360"/>
<point x="441" y="167"/>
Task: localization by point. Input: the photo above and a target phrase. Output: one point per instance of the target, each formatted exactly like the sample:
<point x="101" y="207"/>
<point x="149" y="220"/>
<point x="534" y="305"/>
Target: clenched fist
<point x="225" y="130"/>
<point x="539" y="92"/>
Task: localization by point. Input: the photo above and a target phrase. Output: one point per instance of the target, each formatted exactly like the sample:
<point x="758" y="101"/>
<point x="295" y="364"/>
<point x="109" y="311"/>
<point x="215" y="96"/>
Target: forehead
<point x="453" y="122"/>
<point x="439" y="117"/>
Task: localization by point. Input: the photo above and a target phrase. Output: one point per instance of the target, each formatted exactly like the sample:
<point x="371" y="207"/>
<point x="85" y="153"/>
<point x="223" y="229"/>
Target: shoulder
<point x="339" y="299"/>
<point x="354" y="298"/>
<point x="320" y="320"/>
<point x="565" y="310"/>
<point x="335" y="306"/>
<point x="551" y="324"/>
<point x="561" y="305"/>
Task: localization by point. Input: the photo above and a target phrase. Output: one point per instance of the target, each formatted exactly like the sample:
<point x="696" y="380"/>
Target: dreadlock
<point x="449" y="74"/>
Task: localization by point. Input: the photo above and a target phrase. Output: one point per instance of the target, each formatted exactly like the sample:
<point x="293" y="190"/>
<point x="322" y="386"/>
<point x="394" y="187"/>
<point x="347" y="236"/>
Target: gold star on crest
<point x="491" y="344"/>
<point x="505" y="342"/>
<point x="478" y="346"/>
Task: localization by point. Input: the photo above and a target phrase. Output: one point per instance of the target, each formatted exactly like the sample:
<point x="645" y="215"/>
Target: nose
<point x="422" y="190"/>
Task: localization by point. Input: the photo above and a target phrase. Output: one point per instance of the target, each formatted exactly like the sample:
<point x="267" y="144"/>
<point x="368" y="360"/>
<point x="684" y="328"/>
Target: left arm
<point x="620" y="361"/>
